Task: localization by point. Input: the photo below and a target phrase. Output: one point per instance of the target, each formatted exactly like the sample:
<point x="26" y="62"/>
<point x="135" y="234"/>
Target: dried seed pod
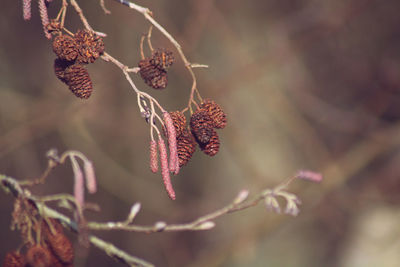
<point x="152" y="76"/>
<point x="201" y="126"/>
<point x="79" y="81"/>
<point x="89" y="46"/>
<point x="217" y="115"/>
<point x="56" y="227"/>
<point x="60" y="66"/>
<point x="38" y="256"/>
<point x="61" y="247"/>
<point x="186" y="147"/>
<point x="179" y="122"/>
<point x="162" y="58"/>
<point x="212" y="147"/>
<point x="14" y="259"/>
<point x="64" y="47"/>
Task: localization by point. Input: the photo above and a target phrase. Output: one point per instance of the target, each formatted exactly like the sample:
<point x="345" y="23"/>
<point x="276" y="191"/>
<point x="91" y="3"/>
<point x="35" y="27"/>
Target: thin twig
<point x="81" y="16"/>
<point x="149" y="16"/>
<point x="103" y="6"/>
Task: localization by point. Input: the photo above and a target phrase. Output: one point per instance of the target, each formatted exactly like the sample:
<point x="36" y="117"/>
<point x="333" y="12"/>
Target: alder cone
<point x="217" y="115"/>
<point x="61" y="247"/>
<point x="64" y="47"/>
<point x="55" y="262"/>
<point x="201" y="126"/>
<point x="179" y="121"/>
<point x="153" y="76"/>
<point x="89" y="46"/>
<point x="78" y="80"/>
<point x="212" y="147"/>
<point x="57" y="227"/>
<point x="38" y="256"/>
<point x="162" y="58"/>
<point x="14" y="259"/>
<point x="186" y="146"/>
<point x="60" y="66"/>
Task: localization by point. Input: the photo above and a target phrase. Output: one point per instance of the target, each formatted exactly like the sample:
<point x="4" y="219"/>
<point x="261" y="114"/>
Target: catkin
<point x="164" y="169"/>
<point x="153" y="156"/>
<point x="173" y="153"/>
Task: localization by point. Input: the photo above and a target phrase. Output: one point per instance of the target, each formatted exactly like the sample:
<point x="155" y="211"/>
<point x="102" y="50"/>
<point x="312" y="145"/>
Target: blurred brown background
<point x="306" y="85"/>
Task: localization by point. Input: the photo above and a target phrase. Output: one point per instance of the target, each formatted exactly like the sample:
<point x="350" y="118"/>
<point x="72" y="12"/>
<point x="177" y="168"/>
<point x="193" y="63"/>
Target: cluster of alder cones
<point x="51" y="248"/>
<point x="73" y="52"/>
<point x="153" y="70"/>
<point x="203" y="122"/>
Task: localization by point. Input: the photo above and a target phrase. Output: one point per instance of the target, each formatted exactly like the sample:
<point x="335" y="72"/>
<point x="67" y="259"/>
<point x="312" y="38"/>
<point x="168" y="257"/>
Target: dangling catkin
<point x="153" y="156"/>
<point x="164" y="168"/>
<point x="173" y="153"/>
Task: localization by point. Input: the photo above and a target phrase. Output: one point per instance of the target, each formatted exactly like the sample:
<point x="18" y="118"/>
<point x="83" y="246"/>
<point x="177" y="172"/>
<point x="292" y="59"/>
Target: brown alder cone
<point x="212" y="147"/>
<point x="153" y="76"/>
<point x="47" y="233"/>
<point x="55" y="262"/>
<point x="186" y="146"/>
<point x="59" y="68"/>
<point x="179" y="122"/>
<point x="38" y="256"/>
<point x="162" y="58"/>
<point x="56" y="226"/>
<point x="78" y="80"/>
<point x="201" y="126"/>
<point x="89" y="46"/>
<point x="14" y="259"/>
<point x="61" y="247"/>
<point x="59" y="244"/>
<point x="217" y="115"/>
<point x="65" y="47"/>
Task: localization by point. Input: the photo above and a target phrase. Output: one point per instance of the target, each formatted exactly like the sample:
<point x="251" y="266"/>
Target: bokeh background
<point x="306" y="84"/>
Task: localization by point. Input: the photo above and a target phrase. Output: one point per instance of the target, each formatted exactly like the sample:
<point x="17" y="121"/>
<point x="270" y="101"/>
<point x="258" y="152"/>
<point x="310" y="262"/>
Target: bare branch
<point x="12" y="185"/>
